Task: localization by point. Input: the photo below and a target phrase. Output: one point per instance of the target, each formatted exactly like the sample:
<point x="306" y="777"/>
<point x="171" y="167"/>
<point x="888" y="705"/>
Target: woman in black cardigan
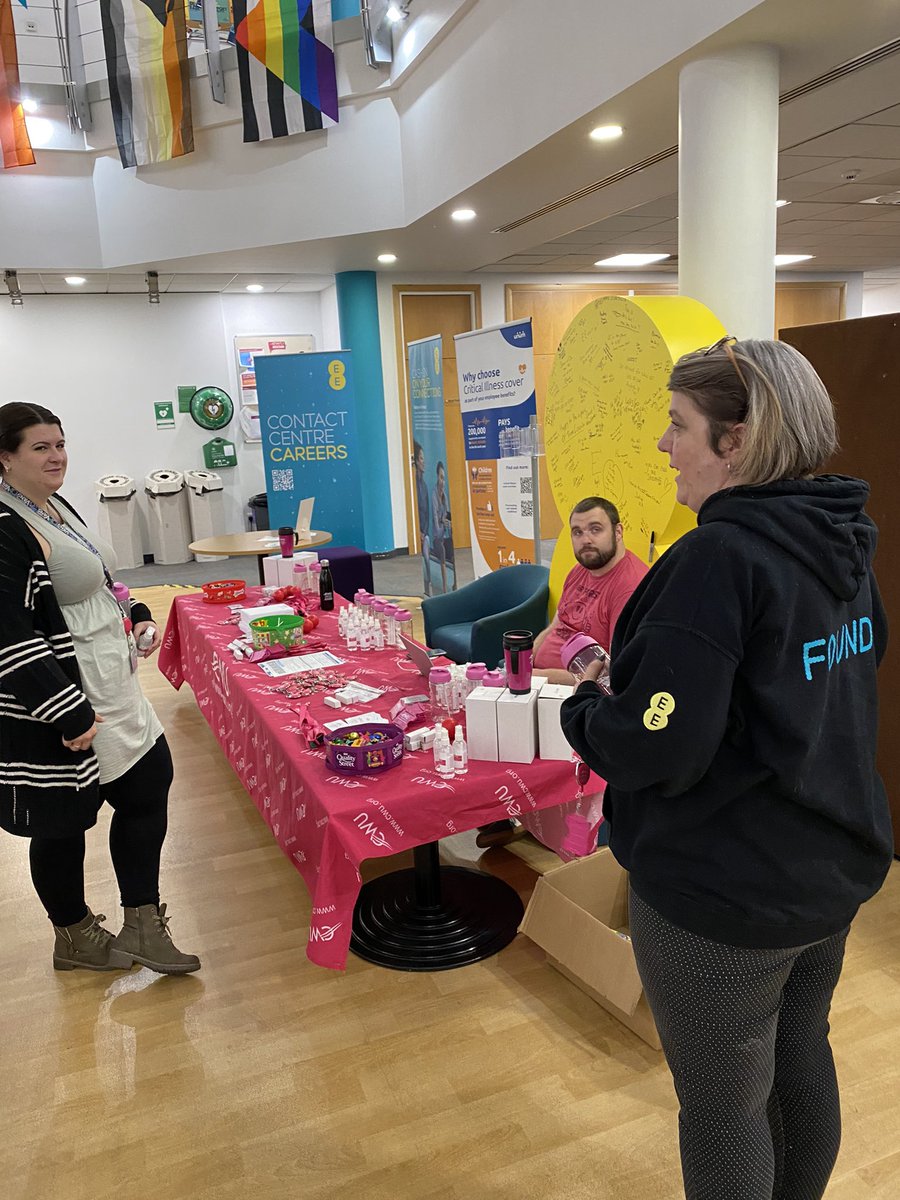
<point x="75" y="728"/>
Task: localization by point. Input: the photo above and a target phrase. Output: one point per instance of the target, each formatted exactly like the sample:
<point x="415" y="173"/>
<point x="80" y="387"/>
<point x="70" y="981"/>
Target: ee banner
<point x="307" y="423"/>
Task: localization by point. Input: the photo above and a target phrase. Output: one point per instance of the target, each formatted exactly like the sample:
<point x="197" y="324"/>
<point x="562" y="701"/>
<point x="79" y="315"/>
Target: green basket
<point x="281" y="630"/>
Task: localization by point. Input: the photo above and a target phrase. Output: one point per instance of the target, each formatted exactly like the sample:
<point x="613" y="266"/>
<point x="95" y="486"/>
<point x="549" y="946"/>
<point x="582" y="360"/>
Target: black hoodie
<point x="739" y="742"/>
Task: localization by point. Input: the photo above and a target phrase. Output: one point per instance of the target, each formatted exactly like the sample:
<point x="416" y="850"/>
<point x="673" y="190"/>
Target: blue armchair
<point x="469" y="624"/>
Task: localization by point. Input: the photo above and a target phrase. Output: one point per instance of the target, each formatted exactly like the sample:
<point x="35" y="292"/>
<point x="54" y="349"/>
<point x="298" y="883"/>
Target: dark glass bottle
<point x="326" y="588"/>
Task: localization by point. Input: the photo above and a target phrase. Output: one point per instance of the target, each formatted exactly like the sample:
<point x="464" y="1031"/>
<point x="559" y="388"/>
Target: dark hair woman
<point x="75" y="728"/>
<point x="739" y="750"/>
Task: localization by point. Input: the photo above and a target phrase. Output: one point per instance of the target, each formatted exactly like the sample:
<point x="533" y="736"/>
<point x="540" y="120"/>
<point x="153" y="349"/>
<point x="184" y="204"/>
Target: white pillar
<point x="727" y="180"/>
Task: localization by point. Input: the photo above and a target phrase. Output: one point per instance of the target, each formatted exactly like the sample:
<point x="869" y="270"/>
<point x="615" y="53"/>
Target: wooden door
<point x="859" y="362"/>
<point x="808" y="304"/>
<point x="421" y="312"/>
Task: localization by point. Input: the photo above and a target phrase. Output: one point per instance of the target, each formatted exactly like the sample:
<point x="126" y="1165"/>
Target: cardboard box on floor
<point x="574" y="915"/>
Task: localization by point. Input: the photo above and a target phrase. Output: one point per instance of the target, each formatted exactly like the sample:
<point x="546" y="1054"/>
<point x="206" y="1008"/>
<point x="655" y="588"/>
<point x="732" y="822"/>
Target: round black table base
<point x="475" y="917"/>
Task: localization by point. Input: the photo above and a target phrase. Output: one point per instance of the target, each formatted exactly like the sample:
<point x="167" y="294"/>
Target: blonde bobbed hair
<point x="770" y="388"/>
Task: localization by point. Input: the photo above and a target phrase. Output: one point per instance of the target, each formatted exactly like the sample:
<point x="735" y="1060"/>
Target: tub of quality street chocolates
<point x="364" y="749"/>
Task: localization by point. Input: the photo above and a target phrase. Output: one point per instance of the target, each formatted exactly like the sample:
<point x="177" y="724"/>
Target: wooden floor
<point x="264" y="1077"/>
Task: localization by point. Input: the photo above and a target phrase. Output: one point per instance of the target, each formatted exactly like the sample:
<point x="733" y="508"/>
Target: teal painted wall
<point x="357" y="300"/>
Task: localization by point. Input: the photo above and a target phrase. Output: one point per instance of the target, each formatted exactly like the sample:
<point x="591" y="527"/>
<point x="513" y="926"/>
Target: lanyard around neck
<point x="63" y="525"/>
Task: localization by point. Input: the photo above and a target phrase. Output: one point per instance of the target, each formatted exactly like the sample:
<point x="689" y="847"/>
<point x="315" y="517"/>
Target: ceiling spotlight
<point x="11" y="279"/>
<point x="784" y="260"/>
<point x="606" y="133"/>
<point x="631" y="260"/>
<point x="387" y="258"/>
<point x="397" y="12"/>
<point x="29" y="105"/>
<point x="75" y="280"/>
<point x="152" y="281"/>
<point x="463" y="214"/>
<point x="781" y="203"/>
<point x="254" y="287"/>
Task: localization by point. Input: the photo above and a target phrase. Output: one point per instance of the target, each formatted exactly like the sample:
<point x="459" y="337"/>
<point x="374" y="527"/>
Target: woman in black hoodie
<point x="739" y="750"/>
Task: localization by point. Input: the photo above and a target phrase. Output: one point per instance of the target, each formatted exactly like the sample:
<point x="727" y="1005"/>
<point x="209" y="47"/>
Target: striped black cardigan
<point x="45" y="788"/>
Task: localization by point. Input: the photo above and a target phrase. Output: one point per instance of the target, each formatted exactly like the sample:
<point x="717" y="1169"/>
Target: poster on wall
<point x="247" y="348"/>
<point x="495" y="367"/>
<point x="434" y="523"/>
<point x="310" y="448"/>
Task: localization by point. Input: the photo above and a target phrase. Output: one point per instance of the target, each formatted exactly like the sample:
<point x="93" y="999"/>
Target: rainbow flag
<point x="285" y="66"/>
<point x="14" y="143"/>
<point x="147" y="62"/>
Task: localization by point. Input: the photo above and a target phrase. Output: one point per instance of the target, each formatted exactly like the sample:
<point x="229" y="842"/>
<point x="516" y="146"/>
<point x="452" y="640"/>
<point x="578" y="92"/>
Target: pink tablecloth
<point x="327" y="823"/>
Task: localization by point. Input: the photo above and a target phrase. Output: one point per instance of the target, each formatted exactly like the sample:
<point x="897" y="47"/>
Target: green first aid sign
<point x="164" y="411"/>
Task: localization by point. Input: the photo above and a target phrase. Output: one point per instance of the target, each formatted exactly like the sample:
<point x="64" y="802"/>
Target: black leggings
<point x="745" y="1033"/>
<point x="136" y="835"/>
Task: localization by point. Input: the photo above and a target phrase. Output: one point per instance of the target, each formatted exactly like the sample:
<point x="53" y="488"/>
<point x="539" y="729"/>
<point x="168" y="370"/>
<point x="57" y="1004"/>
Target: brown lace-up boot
<point x="87" y="945"/>
<point x="145" y="938"/>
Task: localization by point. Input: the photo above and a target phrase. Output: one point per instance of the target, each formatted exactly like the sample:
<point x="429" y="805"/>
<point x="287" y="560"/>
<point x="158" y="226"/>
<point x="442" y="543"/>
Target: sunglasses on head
<point x="725" y="343"/>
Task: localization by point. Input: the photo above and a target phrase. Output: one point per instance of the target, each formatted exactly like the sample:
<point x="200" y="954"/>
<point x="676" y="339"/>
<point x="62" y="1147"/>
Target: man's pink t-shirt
<point x="590" y="604"/>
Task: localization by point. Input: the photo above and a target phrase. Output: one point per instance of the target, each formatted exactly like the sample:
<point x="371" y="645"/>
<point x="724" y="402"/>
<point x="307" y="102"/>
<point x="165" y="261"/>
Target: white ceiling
<point x="851" y="124"/>
<point x="125" y="282"/>
<point x="848" y="126"/>
<point x="828" y="216"/>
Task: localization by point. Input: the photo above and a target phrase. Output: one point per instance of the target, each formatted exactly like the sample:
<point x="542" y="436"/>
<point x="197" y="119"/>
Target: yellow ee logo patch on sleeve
<point x="662" y="705"/>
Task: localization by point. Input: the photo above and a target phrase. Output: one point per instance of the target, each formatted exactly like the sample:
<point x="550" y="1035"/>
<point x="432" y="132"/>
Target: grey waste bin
<point x="117" y="522"/>
<point x="167" y="516"/>
<point x="206" y="507"/>
<point x="258" y="511"/>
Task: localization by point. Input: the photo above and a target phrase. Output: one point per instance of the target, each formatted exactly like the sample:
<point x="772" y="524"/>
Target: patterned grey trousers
<point x="745" y="1033"/>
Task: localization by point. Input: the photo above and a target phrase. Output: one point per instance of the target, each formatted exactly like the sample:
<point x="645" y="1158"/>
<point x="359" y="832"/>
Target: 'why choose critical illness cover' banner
<point x="495" y="367"/>
<point x="307" y="422"/>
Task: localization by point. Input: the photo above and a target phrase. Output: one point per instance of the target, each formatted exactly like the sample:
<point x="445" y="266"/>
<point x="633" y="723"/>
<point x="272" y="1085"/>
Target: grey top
<point x="130" y="726"/>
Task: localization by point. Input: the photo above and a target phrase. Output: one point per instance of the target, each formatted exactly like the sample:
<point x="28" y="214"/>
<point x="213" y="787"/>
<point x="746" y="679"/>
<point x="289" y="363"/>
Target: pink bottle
<point x="579" y="652"/>
<point x="475" y="673"/>
<point x="439" y="689"/>
<point x="390" y="624"/>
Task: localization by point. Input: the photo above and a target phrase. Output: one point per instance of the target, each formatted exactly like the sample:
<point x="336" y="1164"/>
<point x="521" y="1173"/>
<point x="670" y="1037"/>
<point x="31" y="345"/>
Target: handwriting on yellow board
<point x="607" y="406"/>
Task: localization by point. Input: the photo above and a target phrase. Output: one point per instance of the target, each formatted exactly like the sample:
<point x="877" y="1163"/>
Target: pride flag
<point x="147" y="63"/>
<point x="285" y="66"/>
<point x="14" y="143"/>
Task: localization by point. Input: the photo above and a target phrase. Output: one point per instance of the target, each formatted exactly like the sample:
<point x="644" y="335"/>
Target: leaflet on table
<point x="371" y="718"/>
<point x="323" y="660"/>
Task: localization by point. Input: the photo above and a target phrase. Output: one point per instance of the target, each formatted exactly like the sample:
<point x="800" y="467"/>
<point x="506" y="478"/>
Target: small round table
<point x="261" y="542"/>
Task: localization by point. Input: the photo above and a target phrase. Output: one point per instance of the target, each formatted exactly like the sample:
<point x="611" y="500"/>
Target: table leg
<point x="433" y="918"/>
<point x="259" y="567"/>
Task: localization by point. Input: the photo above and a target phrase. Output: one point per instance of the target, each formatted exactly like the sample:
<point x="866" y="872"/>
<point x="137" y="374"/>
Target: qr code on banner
<point x="525" y="485"/>
<point x="283" y="480"/>
<point x="527" y="508"/>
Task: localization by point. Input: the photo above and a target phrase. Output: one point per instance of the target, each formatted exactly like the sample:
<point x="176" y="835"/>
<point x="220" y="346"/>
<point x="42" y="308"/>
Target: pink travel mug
<point x="518" y="656"/>
<point x="286" y="541"/>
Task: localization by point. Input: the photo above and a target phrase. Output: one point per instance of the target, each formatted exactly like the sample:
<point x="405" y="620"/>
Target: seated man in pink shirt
<point x="595" y="592"/>
<point x="596" y="589"/>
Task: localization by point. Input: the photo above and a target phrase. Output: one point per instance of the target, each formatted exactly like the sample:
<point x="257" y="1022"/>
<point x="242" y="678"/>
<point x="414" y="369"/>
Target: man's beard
<point x="593" y="559"/>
